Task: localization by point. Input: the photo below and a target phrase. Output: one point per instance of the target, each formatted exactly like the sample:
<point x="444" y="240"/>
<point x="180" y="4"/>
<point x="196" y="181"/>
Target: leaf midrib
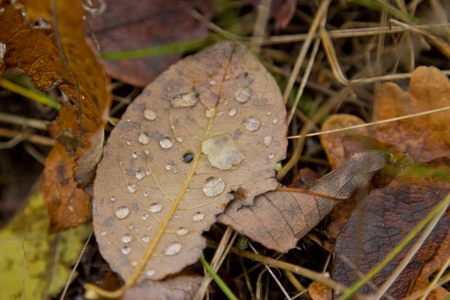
<point x="148" y="253"/>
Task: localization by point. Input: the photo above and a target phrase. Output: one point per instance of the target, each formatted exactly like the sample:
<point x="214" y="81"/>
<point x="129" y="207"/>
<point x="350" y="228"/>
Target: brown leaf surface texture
<point x="211" y="124"/>
<point x="422" y="138"/>
<point x="79" y="76"/>
<point x="384" y="218"/>
<point x="138" y="24"/>
<point x="279" y="219"/>
<point x="178" y="288"/>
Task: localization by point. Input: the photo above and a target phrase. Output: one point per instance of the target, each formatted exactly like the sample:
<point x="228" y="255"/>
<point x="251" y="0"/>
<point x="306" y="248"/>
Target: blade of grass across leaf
<point x="433" y="215"/>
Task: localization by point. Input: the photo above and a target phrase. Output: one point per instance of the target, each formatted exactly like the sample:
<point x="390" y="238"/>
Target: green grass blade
<point x="225" y="289"/>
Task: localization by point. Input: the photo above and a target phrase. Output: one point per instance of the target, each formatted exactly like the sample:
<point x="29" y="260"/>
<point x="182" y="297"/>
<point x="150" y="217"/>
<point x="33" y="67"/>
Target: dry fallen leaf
<point x="422" y="138"/>
<point x="389" y="214"/>
<point x="80" y="77"/>
<point x="143" y="24"/>
<point x="211" y="124"/>
<point x="279" y="219"/>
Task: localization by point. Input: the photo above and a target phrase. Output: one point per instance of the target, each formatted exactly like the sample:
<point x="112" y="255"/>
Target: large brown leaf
<point x="279" y="219"/>
<point x="211" y="124"/>
<point x="141" y="24"/>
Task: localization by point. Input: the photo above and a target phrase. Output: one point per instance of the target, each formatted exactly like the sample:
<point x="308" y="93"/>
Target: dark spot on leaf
<point x="188" y="157"/>
<point x="60" y="170"/>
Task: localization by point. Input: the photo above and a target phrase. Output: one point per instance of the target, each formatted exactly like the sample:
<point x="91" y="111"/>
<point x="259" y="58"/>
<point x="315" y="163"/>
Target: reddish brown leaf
<point x="422" y="138"/>
<point x="283" y="10"/>
<point x="68" y="205"/>
<point x="134" y="25"/>
<point x="279" y="219"/>
<point x="210" y="125"/>
<point x="333" y="143"/>
<point x="389" y="214"/>
<point x="78" y="75"/>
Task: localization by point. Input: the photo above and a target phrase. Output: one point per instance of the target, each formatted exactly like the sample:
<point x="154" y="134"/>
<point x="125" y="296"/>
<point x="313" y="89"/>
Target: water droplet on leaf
<point x="182" y="231"/>
<point x="243" y="94"/>
<point x="150" y="114"/>
<point x="146" y="239"/>
<point x="185" y="99"/>
<point x="126" y="238"/>
<point x="140" y="174"/>
<point x="126" y="250"/>
<point x="173" y="249"/>
<point x="155" y="207"/>
<point x="268" y="140"/>
<point x="132" y="188"/>
<point x="122" y="212"/>
<point x="151" y="273"/>
<point x="252" y="123"/>
<point x="222" y="151"/>
<point x="213" y="186"/>
<point x="198" y="216"/>
<point x="166" y="143"/>
<point x="232" y="112"/>
<point x="143" y="138"/>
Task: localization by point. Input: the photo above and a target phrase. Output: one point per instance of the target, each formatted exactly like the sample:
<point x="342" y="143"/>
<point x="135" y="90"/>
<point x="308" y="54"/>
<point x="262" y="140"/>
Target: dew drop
<point x="149" y="114"/>
<point x="271" y="156"/>
<point x="222" y="151"/>
<point x="128" y="143"/>
<point x="173" y="249"/>
<point x="166" y="143"/>
<point x="275" y="121"/>
<point x="143" y="138"/>
<point x="144" y="216"/>
<point x="134" y="155"/>
<point x="128" y="120"/>
<point x="268" y="140"/>
<point x="132" y="188"/>
<point x="185" y="99"/>
<point x="126" y="238"/>
<point x="243" y="94"/>
<point x="126" y="250"/>
<point x="182" y="231"/>
<point x="146" y="152"/>
<point x="198" y="216"/>
<point x="113" y="199"/>
<point x="170" y="166"/>
<point x="212" y="82"/>
<point x="155" y="207"/>
<point x="252" y="123"/>
<point x="150" y="273"/>
<point x="269" y="113"/>
<point x="180" y="139"/>
<point x="146" y="239"/>
<point x="213" y="186"/>
<point x="104" y="233"/>
<point x="232" y="112"/>
<point x="140" y="174"/>
<point x="146" y="194"/>
<point x="188" y="157"/>
<point x="131" y="226"/>
<point x="209" y="112"/>
<point x="122" y="212"/>
<point x="134" y="264"/>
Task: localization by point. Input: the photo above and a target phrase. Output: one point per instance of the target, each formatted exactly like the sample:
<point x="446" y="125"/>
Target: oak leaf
<point x="212" y="124"/>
